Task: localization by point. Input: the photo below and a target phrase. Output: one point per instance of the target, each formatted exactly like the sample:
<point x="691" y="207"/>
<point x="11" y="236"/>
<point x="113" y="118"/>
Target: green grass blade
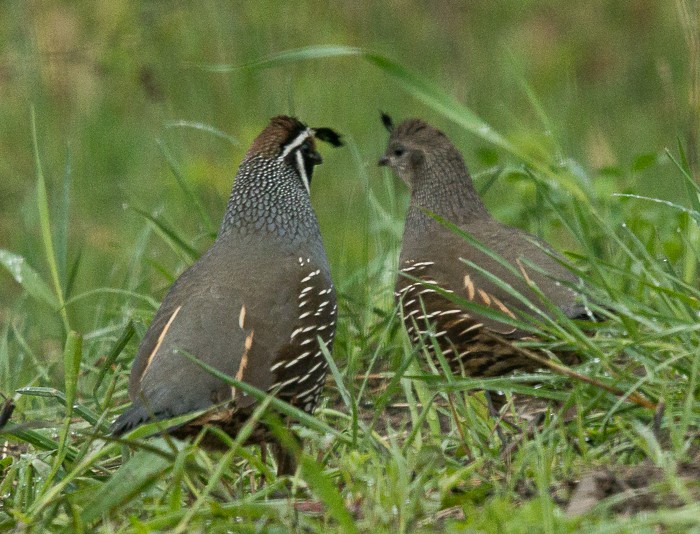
<point x="108" y="290"/>
<point x="126" y="335"/>
<point x="321" y="485"/>
<point x="141" y="471"/>
<point x="435" y="97"/>
<point x="83" y="411"/>
<point x="289" y="56"/>
<point x="38" y="440"/>
<point x="692" y="187"/>
<point x="72" y="355"/>
<point x="45" y="223"/>
<point x="61" y="219"/>
<point x="208" y="128"/>
<point x="186" y="187"/>
<point x="693" y="213"/>
<point x="176" y="242"/>
<point x="28" y="278"/>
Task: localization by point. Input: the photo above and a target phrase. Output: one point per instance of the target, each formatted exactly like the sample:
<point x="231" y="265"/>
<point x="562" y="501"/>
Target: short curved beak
<point x="315" y="158"/>
<point x="383" y="161"/>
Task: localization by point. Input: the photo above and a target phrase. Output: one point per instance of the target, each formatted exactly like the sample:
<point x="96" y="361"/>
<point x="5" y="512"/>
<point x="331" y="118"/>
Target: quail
<point x="254" y="306"/>
<point x="433" y="255"/>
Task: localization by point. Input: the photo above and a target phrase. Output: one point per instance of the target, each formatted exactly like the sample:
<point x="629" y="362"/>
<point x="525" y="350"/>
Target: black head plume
<point x="387" y="121"/>
<point x="328" y="135"/>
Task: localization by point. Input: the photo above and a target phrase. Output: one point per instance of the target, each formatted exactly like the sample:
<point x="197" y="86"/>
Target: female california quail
<point x="253" y="306"/>
<point x="431" y="255"/>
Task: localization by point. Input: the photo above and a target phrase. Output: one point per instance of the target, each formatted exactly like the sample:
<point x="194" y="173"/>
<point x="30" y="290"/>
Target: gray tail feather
<point x="134" y="416"/>
<point x="138" y="414"/>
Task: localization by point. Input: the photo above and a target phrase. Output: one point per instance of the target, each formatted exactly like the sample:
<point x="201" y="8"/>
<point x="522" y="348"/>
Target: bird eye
<point x="399" y="151"/>
<point x="306" y="147"/>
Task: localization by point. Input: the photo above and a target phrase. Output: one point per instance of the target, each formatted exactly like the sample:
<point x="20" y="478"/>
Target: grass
<point x="396" y="446"/>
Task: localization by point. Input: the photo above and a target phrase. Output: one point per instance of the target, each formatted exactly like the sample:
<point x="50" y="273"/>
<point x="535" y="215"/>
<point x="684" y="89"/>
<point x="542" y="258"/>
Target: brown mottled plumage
<point x="432" y="255"/>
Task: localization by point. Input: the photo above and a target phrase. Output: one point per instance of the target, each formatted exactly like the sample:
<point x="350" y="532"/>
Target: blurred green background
<point x="601" y="86"/>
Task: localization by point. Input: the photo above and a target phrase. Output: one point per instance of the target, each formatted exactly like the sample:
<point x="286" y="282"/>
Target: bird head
<point x="289" y="140"/>
<point x="414" y="146"/>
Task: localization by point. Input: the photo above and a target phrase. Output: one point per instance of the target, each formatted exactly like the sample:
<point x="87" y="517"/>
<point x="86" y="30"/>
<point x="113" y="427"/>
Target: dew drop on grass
<point x="13" y="263"/>
<point x="327" y="441"/>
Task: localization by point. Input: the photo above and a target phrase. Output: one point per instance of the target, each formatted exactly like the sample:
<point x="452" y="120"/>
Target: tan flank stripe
<point x="469" y="286"/>
<point x="244" y="359"/>
<point x="522" y="270"/>
<point x="503" y="307"/>
<point x="161" y="337"/>
<point x="241" y="317"/>
<point x="484" y="296"/>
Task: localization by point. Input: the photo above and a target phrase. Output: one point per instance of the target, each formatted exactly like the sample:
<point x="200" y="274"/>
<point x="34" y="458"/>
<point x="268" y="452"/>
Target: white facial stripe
<point x="303" y="136"/>
<point x="302" y="172"/>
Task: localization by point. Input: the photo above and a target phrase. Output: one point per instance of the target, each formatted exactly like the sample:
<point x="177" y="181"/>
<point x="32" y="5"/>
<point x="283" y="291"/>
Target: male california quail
<point x="431" y="254"/>
<point x="253" y="306"/>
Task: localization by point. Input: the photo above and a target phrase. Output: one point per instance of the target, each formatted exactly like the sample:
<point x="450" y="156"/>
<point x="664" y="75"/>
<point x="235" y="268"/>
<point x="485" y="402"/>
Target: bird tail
<point x="134" y="416"/>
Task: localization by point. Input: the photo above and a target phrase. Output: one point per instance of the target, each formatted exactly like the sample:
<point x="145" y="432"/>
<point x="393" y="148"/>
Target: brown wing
<point x="463" y="337"/>
<point x="468" y="336"/>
